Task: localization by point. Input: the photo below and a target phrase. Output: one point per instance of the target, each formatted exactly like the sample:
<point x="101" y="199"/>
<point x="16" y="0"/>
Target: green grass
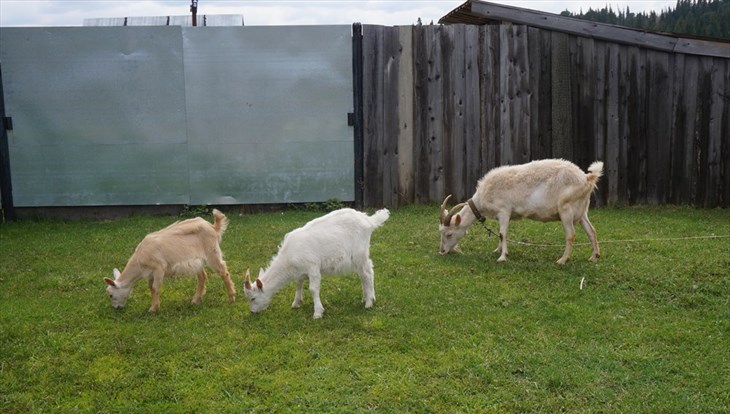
<point x="648" y="333"/>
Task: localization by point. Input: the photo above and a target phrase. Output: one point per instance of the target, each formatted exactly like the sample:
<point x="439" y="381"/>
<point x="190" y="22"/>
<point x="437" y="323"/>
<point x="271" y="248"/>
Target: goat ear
<point x="260" y="284"/>
<point x="247" y="283"/>
<point x="457" y="220"/>
<point x="116" y="273"/>
<point x="110" y="282"/>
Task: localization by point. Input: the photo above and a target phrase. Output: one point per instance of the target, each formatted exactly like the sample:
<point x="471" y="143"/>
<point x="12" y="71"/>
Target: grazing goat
<point x="335" y="244"/>
<point x="545" y="190"/>
<point x="184" y="247"/>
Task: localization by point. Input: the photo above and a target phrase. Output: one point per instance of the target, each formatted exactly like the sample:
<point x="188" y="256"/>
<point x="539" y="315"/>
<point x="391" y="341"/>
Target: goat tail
<point x="221" y="222"/>
<point x="379" y="217"/>
<point x="595" y="171"/>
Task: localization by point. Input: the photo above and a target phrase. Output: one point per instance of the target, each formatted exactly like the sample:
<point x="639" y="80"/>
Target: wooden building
<point x="494" y="85"/>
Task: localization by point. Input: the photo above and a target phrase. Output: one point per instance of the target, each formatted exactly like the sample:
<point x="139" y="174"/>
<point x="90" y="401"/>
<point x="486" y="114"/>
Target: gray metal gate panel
<point x="267" y="114"/>
<point x="170" y="115"/>
<point x="98" y="114"/>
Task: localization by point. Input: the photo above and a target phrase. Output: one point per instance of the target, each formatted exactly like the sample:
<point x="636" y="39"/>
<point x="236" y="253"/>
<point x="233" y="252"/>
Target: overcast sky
<point x="279" y="12"/>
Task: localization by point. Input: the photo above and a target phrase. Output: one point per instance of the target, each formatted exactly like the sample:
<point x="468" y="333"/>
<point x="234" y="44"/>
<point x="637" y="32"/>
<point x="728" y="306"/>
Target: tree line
<point x="706" y="18"/>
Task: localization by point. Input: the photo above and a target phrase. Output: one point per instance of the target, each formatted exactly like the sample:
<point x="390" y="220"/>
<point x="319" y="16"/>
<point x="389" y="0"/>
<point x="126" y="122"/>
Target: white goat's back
<point x="337" y="242"/>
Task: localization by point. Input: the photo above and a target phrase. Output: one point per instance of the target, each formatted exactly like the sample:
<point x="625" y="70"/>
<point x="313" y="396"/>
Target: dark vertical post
<point x="194" y="11"/>
<point x="357" y="86"/>
<point x="6" y="186"/>
<point x="562" y="110"/>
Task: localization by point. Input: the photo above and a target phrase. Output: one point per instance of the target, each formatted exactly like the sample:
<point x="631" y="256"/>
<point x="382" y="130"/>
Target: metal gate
<point x="173" y="115"/>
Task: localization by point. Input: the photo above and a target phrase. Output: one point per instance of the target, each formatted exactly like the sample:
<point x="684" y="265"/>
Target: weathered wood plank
<point x="624" y="125"/>
<point x="491" y="98"/>
<point x="514" y="83"/>
<point x="585" y="123"/>
<point x="507" y="93"/>
<point x="637" y="106"/>
<point x="372" y="114"/>
<point x="702" y="128"/>
<point x="452" y="42"/>
<point x="600" y="51"/>
<point x="685" y="130"/>
<point x="613" y="137"/>
<point x="437" y="131"/>
<point x="715" y="138"/>
<point x="725" y="202"/>
<point x="562" y="109"/>
<point x="521" y="113"/>
<point x="472" y="110"/>
<point x="675" y="172"/>
<point x="422" y="115"/>
<point x="659" y="111"/>
<point x="540" y="94"/>
<point x="534" y="55"/>
<point x="406" y="130"/>
<point x="429" y="120"/>
<point x="389" y="141"/>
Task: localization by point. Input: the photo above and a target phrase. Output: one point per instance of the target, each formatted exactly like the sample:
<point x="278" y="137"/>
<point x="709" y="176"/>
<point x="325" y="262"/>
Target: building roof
<point x="478" y="12"/>
<point x="186" y="20"/>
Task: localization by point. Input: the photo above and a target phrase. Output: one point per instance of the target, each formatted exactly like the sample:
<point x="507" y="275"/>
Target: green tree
<point x="708" y="18"/>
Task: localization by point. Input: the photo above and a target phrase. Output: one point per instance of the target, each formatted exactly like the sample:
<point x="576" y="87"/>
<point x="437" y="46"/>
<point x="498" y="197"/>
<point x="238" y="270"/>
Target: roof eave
<point x="481" y="12"/>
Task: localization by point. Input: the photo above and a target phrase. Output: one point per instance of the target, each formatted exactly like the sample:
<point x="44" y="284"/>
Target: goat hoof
<point x="561" y="261"/>
<point x="501" y="259"/>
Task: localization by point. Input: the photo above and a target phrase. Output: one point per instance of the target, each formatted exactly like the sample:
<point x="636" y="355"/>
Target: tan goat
<point x="544" y="190"/>
<point x="184" y="247"/>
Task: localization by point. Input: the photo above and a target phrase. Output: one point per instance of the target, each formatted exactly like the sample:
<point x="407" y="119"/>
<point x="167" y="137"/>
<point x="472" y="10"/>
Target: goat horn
<point x="442" y="211"/>
<point x="247" y="283"/>
<point x="453" y="211"/>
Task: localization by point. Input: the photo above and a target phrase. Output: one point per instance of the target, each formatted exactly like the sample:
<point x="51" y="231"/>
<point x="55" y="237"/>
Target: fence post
<point x="562" y="107"/>
<point x="357" y="121"/>
<point x="6" y="186"/>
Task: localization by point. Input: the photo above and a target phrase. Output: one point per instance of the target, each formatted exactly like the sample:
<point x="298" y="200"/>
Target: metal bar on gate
<point x="6" y="187"/>
<point x="357" y="121"/>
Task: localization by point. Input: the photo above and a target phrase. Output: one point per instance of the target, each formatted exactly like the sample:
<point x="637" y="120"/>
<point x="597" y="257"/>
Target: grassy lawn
<point x="648" y="333"/>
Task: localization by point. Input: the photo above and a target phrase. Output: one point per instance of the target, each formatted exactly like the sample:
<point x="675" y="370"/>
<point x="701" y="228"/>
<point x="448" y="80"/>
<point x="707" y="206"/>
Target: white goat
<point x="545" y="190"/>
<point x="335" y="244"/>
<point x="183" y="247"/>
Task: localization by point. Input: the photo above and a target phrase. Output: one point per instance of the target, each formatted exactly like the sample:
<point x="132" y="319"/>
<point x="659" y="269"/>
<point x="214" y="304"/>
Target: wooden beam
<point x="608" y="32"/>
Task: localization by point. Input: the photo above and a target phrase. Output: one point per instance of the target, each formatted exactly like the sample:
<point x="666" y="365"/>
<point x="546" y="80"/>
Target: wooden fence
<point x="442" y="105"/>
